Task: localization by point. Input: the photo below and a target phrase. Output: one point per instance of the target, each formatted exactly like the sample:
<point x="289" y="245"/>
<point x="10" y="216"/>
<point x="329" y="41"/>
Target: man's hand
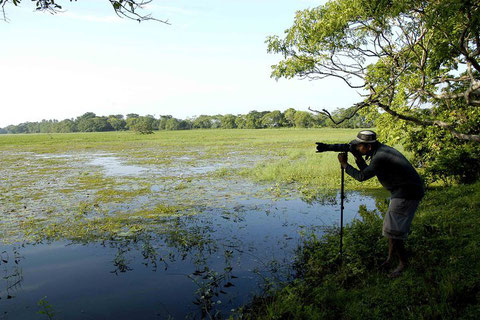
<point x="355" y="152"/>
<point x="342" y="158"/>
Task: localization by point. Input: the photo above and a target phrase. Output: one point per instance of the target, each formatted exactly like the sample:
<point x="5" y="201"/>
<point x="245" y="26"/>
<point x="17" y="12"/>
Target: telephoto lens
<point x="322" y="147"/>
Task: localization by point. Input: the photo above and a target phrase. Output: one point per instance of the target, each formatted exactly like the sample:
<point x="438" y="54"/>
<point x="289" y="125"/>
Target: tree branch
<point x="325" y="112"/>
<point x="123" y="8"/>
<point x="442" y="124"/>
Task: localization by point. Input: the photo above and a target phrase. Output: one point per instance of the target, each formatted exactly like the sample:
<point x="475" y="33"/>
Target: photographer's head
<point x="365" y="142"/>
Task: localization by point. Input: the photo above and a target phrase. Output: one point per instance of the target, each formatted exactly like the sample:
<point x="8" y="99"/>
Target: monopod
<point x="342" y="197"/>
<point x="342" y="148"/>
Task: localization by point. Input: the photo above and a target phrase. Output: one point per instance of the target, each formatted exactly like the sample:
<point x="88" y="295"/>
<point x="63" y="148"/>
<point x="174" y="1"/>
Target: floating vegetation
<point x="223" y="210"/>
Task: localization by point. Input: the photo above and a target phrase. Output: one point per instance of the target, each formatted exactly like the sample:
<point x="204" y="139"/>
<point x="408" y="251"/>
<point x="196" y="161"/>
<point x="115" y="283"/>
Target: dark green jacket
<point x="393" y="171"/>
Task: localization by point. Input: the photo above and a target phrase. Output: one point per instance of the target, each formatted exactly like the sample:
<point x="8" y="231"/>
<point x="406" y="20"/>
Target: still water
<point x="237" y="248"/>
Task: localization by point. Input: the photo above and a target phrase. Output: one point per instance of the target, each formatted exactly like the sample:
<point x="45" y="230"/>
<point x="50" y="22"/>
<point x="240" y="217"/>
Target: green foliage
<point x="90" y="122"/>
<point x="228" y="121"/>
<point x="116" y="122"/>
<point x="303" y="119"/>
<point x="202" y="122"/>
<point x="358" y="120"/>
<point x="443" y="157"/>
<point x="253" y="120"/>
<point x="415" y="63"/>
<point x="143" y="125"/>
<point x="442" y="280"/>
<point x="274" y="119"/>
<point x="46" y="308"/>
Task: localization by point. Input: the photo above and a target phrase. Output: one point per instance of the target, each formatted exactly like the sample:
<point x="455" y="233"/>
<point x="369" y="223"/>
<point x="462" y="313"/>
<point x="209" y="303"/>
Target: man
<point x="398" y="176"/>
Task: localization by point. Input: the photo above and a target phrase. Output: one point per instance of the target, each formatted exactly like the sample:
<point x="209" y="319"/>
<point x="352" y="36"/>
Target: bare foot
<point x="397" y="272"/>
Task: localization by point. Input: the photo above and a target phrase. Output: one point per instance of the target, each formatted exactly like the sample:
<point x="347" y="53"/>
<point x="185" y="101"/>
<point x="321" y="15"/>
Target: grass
<point x="66" y="199"/>
<point x="289" y="153"/>
<point x="84" y="227"/>
<point x="47" y="175"/>
<point x="441" y="282"/>
<point x="278" y="139"/>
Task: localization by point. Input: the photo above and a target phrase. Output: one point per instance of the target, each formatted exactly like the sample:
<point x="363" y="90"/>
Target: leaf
<point x="199" y="272"/>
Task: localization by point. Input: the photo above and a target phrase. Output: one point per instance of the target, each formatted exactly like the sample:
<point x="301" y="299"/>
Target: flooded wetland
<point x="170" y="225"/>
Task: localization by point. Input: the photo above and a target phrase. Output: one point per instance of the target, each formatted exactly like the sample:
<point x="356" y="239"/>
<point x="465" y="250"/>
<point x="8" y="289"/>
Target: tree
<point x="408" y="58"/>
<point x="132" y="118"/>
<point x="184" y="125"/>
<point x="273" y="119"/>
<point x="131" y="9"/>
<point x="95" y="124"/>
<point x="240" y="121"/>
<point x="303" y="119"/>
<point x="202" y="122"/>
<point x="66" y="126"/>
<point x="253" y="120"/>
<point x="216" y="121"/>
<point x="86" y="115"/>
<point x="101" y="124"/>
<point x="415" y="64"/>
<point x="143" y="125"/>
<point x="84" y="122"/>
<point x="358" y="120"/>
<point x="117" y="122"/>
<point x="172" y="124"/>
<point x="289" y="116"/>
<point x="228" y="121"/>
<point x="163" y="121"/>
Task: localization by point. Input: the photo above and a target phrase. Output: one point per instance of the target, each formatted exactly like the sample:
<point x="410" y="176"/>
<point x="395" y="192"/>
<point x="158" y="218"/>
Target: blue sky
<point x="212" y="59"/>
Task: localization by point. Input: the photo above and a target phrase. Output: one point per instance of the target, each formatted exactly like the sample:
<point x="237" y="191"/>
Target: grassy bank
<point x="441" y="282"/>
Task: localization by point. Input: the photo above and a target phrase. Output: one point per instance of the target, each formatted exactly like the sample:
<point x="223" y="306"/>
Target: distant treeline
<point x="90" y="122"/>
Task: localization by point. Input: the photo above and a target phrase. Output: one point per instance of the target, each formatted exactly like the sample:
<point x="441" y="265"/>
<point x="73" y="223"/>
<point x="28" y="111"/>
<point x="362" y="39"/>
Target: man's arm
<point x="361" y="164"/>
<point x="365" y="173"/>
<point x="361" y="175"/>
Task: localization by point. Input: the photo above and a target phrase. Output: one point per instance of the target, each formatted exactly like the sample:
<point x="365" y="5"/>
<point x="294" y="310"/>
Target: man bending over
<point x="397" y="175"/>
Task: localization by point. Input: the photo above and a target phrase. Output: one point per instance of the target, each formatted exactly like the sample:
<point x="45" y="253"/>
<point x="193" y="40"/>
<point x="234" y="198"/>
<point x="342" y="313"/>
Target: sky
<point x="211" y="59"/>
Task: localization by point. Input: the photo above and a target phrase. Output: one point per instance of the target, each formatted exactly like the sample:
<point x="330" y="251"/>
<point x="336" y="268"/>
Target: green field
<point x="290" y="152"/>
<point x="52" y="189"/>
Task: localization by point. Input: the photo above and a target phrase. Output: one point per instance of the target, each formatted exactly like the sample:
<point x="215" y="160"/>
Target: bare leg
<point x="386" y="263"/>
<point x="398" y="248"/>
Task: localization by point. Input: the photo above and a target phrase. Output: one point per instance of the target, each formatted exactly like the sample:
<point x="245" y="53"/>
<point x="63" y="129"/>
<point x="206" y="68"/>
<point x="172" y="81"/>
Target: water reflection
<point x="114" y="167"/>
<point x="199" y="266"/>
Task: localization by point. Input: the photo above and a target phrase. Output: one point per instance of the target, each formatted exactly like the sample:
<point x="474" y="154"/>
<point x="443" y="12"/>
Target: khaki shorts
<point x="398" y="218"/>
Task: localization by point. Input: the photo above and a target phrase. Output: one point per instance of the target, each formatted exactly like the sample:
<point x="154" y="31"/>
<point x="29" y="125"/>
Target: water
<point x="237" y="243"/>
<point x="113" y="166"/>
<point x="92" y="282"/>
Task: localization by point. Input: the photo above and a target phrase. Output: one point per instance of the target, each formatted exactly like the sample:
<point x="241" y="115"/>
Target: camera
<point x="343" y="147"/>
